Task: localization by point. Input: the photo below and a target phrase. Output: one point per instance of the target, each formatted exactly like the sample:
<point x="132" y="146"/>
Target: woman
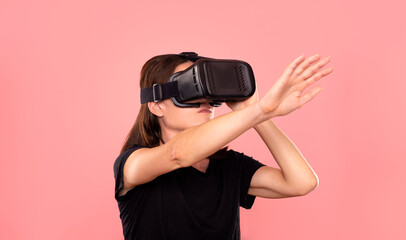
<point x="174" y="179"/>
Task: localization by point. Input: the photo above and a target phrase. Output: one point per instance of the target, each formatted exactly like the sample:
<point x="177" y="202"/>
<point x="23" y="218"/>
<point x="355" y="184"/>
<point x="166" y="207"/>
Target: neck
<point x="167" y="133"/>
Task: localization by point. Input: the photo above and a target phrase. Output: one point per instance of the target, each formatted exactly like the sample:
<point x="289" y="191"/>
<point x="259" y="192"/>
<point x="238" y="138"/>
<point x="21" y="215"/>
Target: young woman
<point x="175" y="179"/>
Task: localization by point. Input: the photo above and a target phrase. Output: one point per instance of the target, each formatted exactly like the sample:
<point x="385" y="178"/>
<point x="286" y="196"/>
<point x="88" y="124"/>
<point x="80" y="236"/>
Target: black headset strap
<point x="159" y="92"/>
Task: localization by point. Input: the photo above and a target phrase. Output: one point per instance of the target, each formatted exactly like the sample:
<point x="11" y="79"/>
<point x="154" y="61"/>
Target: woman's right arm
<point x="189" y="146"/>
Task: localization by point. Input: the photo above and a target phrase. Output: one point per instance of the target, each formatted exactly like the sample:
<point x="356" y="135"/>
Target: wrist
<point x="259" y="114"/>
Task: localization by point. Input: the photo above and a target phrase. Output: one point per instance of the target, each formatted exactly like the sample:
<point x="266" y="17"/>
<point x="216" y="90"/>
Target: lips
<point x="206" y="110"/>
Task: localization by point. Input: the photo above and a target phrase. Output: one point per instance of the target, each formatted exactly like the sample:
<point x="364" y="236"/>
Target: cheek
<point x="179" y="118"/>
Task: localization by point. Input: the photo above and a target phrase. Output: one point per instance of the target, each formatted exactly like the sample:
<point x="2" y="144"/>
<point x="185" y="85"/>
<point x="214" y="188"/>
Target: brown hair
<point x="146" y="130"/>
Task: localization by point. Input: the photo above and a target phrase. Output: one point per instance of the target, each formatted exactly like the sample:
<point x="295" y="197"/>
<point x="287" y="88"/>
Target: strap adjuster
<point x="191" y="56"/>
<point x="157" y="92"/>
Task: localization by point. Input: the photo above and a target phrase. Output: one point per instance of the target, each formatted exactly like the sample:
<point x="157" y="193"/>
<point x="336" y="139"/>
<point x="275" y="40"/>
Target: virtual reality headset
<point x="216" y="80"/>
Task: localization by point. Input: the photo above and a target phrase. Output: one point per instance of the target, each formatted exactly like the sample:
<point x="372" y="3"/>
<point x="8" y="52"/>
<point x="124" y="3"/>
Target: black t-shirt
<point x="187" y="203"/>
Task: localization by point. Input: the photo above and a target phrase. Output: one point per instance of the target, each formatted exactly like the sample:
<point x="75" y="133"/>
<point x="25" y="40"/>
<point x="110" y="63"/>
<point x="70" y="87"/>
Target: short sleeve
<point x="248" y="167"/>
<point x="118" y="169"/>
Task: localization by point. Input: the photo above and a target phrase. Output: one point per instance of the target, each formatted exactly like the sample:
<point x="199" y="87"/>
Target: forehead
<point x="183" y="66"/>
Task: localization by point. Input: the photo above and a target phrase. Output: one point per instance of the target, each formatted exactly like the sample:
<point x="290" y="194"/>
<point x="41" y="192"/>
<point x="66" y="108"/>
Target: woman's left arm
<point x="295" y="176"/>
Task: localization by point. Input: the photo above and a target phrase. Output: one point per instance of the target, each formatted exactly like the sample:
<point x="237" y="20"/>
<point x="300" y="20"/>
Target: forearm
<point x="296" y="171"/>
<point x="196" y="143"/>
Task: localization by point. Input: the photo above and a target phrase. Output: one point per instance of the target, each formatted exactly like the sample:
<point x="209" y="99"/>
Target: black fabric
<point x="168" y="90"/>
<point x="187" y="203"/>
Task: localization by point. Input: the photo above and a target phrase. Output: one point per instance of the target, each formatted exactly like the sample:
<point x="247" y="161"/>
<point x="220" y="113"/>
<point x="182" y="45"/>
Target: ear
<point x="156" y="108"/>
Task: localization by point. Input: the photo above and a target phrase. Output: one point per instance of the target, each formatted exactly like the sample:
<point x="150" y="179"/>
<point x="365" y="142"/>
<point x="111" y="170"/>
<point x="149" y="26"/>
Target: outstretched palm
<point x="284" y="96"/>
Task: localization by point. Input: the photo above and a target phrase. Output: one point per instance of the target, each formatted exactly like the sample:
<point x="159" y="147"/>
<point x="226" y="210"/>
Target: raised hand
<point x="284" y="96"/>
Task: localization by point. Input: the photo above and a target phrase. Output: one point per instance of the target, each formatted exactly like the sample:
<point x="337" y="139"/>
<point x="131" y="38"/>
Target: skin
<point x="185" y="130"/>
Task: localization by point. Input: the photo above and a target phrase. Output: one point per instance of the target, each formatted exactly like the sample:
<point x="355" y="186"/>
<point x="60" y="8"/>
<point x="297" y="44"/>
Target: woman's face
<point x="176" y="118"/>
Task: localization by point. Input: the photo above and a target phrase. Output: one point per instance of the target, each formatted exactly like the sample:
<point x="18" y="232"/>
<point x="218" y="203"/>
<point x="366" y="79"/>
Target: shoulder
<point x="120" y="160"/>
<point x="242" y="161"/>
<point x="227" y="154"/>
<point x="119" y="168"/>
<point x="236" y="155"/>
<point x="129" y="150"/>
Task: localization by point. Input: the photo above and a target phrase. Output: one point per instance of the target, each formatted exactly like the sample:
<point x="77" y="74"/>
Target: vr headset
<point x="217" y="80"/>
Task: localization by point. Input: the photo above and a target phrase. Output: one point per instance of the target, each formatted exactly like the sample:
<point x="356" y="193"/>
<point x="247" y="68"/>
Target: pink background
<point x="69" y="95"/>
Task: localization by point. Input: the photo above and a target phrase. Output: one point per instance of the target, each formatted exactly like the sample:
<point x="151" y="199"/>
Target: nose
<point x="215" y="104"/>
<point x="201" y="100"/>
<point x="210" y="104"/>
<point x="204" y="102"/>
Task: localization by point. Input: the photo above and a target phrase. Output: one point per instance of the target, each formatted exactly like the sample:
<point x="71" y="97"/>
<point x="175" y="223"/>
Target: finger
<point x="309" y="96"/>
<point x="293" y="65"/>
<point x="304" y="65"/>
<point x="318" y="75"/>
<point x="314" y="68"/>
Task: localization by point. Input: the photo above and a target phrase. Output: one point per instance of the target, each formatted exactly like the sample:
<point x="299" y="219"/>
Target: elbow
<point x="178" y="156"/>
<point x="308" y="188"/>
